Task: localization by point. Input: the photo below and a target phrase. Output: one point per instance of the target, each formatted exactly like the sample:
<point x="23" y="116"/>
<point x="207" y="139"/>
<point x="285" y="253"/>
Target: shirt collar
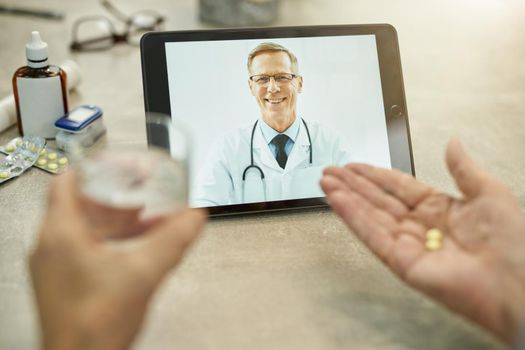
<point x="269" y="133"/>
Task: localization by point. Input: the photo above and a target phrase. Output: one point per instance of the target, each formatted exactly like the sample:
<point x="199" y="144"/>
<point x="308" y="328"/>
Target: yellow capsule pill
<point x="433" y="245"/>
<point x="18" y="141"/>
<point x="10" y="148"/>
<point x="41" y="161"/>
<point x="62" y="161"/>
<point x="52" y="166"/>
<point x="4" y="174"/>
<point x="434" y="234"/>
<point x="52" y="156"/>
<point x="43" y="152"/>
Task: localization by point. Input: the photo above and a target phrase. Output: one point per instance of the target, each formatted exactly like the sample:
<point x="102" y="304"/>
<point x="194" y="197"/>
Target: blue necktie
<point x="280" y="141"/>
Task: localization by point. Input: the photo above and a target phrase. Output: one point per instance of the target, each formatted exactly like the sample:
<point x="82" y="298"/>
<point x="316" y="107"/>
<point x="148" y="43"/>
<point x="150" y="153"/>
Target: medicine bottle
<point x="40" y="92"/>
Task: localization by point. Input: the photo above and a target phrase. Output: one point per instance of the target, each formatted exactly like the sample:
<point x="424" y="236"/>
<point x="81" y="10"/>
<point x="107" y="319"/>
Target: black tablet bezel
<point x="156" y="91"/>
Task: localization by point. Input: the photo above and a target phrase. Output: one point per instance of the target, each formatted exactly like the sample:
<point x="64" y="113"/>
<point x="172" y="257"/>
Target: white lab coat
<point x="219" y="181"/>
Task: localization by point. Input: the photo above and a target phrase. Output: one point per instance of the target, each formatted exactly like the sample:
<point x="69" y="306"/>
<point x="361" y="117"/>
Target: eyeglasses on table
<point x="95" y="32"/>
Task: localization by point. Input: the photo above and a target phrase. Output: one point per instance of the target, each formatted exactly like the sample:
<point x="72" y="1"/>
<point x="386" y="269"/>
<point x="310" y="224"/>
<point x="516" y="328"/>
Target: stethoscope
<point x="261" y="172"/>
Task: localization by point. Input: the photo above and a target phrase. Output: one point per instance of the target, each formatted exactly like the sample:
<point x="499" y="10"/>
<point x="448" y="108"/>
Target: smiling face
<point x="277" y="100"/>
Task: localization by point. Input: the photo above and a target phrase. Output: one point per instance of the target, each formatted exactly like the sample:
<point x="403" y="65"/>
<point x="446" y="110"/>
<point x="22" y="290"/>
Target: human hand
<point x="480" y="269"/>
<point x="91" y="294"/>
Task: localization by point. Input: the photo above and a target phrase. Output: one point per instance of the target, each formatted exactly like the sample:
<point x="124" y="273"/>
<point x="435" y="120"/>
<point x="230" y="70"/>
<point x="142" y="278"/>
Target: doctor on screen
<point x="278" y="156"/>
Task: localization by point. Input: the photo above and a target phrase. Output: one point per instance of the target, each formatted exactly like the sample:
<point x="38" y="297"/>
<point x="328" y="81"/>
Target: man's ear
<point x="250" y="86"/>
<point x="299" y="84"/>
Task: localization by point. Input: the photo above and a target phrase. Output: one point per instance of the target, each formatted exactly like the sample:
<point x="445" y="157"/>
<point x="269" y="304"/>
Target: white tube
<point x="7" y="104"/>
<point x="7" y="112"/>
<point x="72" y="72"/>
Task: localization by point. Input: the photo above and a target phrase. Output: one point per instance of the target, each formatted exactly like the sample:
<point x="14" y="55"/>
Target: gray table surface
<point x="301" y="280"/>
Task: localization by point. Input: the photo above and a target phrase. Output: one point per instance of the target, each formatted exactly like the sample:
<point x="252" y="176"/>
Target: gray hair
<point x="272" y="47"/>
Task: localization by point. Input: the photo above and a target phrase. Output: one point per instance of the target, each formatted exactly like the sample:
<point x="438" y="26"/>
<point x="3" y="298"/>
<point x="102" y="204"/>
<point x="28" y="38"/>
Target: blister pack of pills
<point x="49" y="158"/>
<point x="22" y="153"/>
<point x="52" y="160"/>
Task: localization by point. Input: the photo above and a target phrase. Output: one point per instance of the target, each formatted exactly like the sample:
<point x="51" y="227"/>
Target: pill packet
<point x="11" y="146"/>
<point x="49" y="159"/>
<point x="52" y="160"/>
<point x="22" y="153"/>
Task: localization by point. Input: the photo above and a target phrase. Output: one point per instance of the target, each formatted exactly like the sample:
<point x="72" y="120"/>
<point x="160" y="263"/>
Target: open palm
<point x="476" y="271"/>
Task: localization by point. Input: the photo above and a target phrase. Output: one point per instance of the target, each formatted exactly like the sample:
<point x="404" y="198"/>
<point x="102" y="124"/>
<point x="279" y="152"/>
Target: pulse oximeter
<point x="80" y="127"/>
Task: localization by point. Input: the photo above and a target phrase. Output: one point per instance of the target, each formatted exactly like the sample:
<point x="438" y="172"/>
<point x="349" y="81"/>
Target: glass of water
<point x="133" y="178"/>
<point x="128" y="182"/>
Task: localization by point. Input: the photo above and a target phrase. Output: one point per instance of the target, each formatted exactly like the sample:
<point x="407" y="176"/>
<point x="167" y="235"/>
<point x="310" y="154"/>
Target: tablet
<point x="269" y="108"/>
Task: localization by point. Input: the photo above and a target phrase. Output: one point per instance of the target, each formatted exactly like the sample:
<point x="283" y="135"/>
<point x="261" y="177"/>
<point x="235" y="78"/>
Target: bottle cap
<point x="36" y="51"/>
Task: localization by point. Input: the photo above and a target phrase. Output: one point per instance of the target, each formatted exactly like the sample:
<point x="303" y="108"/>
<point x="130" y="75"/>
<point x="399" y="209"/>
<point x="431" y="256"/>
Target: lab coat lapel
<point x="300" y="150"/>
<point x="261" y="148"/>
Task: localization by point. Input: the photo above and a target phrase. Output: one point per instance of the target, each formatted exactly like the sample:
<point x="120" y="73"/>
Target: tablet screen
<point x="328" y="85"/>
<point x="268" y="112"/>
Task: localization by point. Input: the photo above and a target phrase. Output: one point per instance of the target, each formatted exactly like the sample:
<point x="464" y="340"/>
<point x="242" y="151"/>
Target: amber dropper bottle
<point x="40" y="92"/>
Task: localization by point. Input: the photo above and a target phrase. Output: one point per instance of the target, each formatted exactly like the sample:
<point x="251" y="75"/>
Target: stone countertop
<point x="292" y="280"/>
